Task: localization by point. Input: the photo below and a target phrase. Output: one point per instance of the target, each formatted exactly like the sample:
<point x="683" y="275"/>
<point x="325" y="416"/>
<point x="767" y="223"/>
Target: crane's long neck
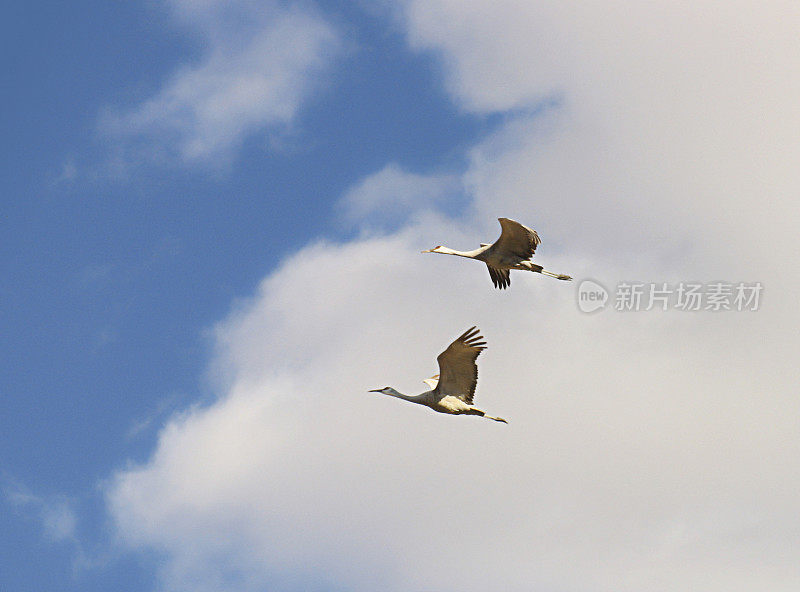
<point x="393" y="393"/>
<point x="469" y="254"/>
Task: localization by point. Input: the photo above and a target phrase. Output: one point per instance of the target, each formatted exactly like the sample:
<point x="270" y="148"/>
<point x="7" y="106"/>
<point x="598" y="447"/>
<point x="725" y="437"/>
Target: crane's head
<point x="436" y="249"/>
<point x="384" y="391"/>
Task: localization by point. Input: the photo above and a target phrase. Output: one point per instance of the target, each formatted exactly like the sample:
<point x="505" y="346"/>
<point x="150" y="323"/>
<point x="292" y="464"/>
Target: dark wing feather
<point x="516" y="243"/>
<point x="458" y="372"/>
<point x="501" y="278"/>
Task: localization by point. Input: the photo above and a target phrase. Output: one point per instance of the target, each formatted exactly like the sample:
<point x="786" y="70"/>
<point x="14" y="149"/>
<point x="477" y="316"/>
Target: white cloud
<point x="630" y="458"/>
<point x="675" y="111"/>
<point x="646" y="452"/>
<point x="392" y="193"/>
<point x="261" y="61"/>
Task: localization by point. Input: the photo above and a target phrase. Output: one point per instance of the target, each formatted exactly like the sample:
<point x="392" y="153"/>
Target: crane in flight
<point x="452" y="390"/>
<point x="513" y="250"/>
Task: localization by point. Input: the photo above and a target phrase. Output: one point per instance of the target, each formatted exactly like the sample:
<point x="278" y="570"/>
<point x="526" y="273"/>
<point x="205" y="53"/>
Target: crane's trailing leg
<point x="500" y="419"/>
<point x="482" y="413"/>
<point x="558" y="276"/>
<point x="531" y="266"/>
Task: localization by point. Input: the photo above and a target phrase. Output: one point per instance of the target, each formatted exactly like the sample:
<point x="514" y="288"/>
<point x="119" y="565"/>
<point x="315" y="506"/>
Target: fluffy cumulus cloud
<point x="646" y="451"/>
<point x="260" y="62"/>
<point x="664" y="104"/>
<point x="392" y="193"/>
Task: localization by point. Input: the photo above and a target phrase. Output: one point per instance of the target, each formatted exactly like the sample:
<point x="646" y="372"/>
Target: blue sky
<point x="112" y="282"/>
<point x="211" y="224"/>
<point x="112" y="278"/>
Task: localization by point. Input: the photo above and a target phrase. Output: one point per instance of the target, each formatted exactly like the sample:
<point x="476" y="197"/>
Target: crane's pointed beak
<point x="427" y="251"/>
<point x="375" y="390"/>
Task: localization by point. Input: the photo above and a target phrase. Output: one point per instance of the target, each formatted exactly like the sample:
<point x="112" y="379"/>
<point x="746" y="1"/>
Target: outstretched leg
<point x="500" y="419"/>
<point x="558" y="276"/>
<point x="531" y="266"/>
<point x="482" y="413"/>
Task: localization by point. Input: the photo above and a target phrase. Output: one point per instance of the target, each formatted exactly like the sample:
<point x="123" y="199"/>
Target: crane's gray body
<point x="437" y="401"/>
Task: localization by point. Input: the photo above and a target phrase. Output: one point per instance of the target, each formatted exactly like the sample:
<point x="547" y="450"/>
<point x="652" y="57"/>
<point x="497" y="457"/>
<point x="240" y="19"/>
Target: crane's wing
<point x="501" y="278"/>
<point x="516" y="243"/>
<point x="432" y="381"/>
<point x="458" y="372"/>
